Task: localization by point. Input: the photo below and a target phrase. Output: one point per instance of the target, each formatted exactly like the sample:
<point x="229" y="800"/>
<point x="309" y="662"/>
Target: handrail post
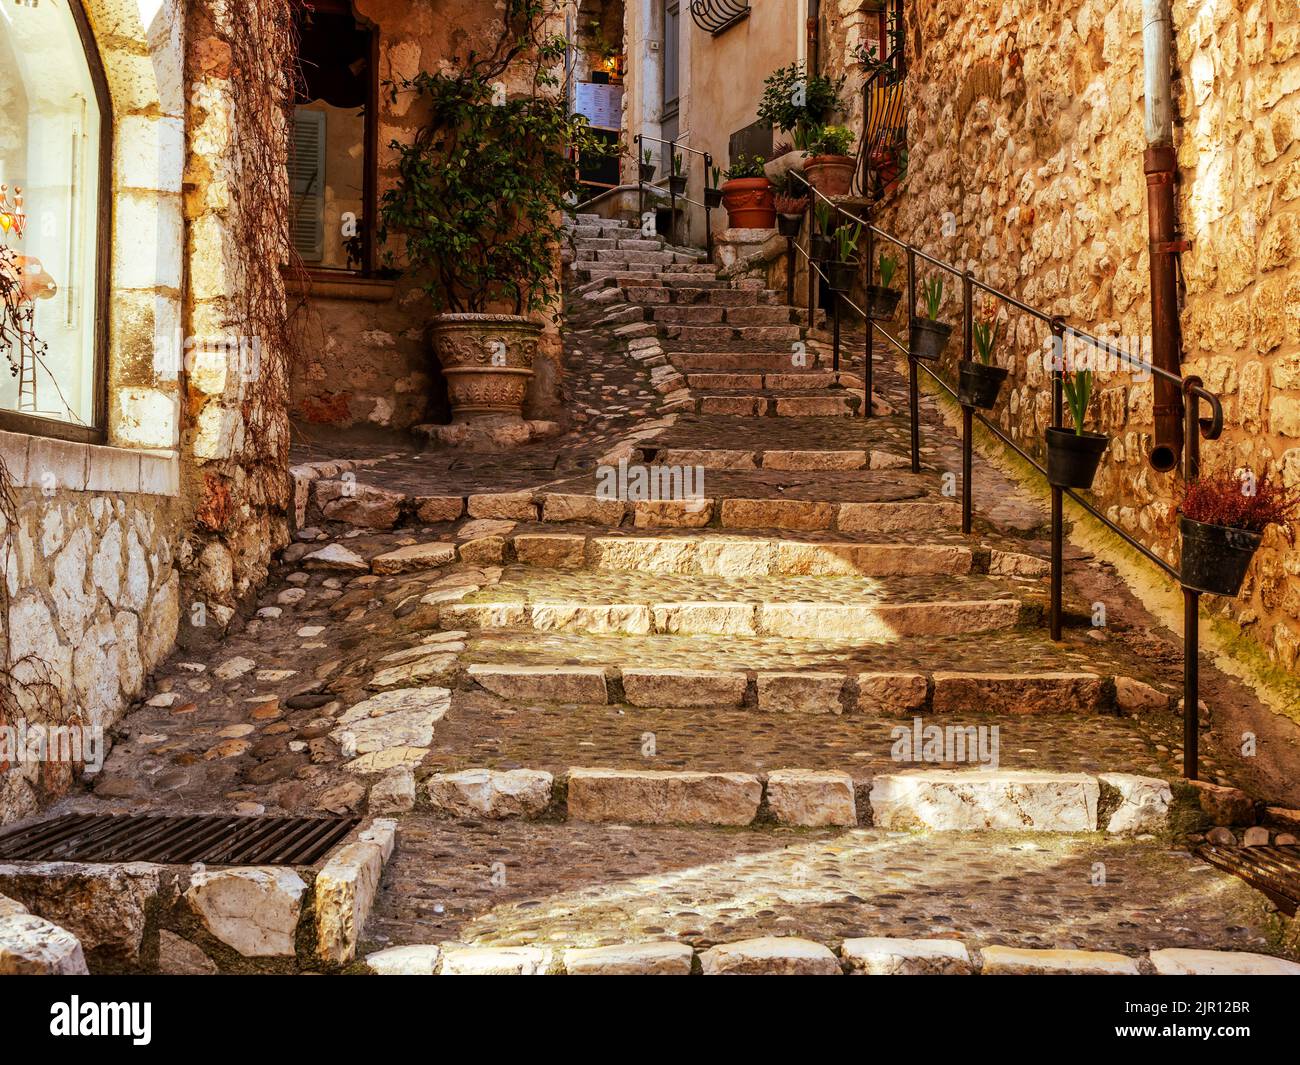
<point x="1058" y="505"/>
<point x="913" y="383"/>
<point x="708" y="211"/>
<point x="835" y="329"/>
<point x="672" y="193"/>
<point x="1191" y="598"/>
<point x="869" y="324"/>
<point x="812" y="274"/>
<point x="967" y="411"/>
<point x="640" y="186"/>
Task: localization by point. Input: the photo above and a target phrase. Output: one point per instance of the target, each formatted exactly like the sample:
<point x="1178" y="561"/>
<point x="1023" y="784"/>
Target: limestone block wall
<point x="1025" y="134"/>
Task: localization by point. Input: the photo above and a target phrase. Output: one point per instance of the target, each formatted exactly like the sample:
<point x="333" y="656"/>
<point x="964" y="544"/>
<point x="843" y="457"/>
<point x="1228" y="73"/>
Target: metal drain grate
<point x="208" y="838"/>
<point x="1273" y="870"/>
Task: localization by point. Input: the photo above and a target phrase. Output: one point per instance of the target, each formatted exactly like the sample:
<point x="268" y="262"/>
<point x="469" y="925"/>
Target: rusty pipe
<point x="1161" y="165"/>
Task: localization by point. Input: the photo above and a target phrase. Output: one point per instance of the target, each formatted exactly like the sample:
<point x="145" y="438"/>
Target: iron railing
<point x="673" y="189"/>
<point x="716" y="16"/>
<point x="1192" y="389"/>
<point x="882" y="148"/>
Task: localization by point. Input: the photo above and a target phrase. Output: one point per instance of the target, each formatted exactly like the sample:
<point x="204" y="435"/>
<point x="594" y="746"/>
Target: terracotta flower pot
<point x="487" y="360"/>
<point x="831" y="175"/>
<point x="750" y="203"/>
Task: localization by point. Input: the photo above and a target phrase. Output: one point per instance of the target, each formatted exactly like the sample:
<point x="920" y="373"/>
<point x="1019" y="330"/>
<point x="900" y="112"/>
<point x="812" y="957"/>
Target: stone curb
<point x="810" y="692"/>
<point x="791" y="955"/>
<point x="935" y="800"/>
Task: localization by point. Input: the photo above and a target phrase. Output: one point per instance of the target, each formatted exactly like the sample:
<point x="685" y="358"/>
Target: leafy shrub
<point x="1241" y="502"/>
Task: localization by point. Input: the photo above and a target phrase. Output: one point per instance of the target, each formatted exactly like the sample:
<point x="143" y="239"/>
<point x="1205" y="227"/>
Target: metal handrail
<point x="1193" y="389"/>
<point x="673" y="146"/>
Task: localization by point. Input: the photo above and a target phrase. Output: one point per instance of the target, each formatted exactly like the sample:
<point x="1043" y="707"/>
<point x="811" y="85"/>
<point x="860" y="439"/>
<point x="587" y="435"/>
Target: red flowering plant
<point x="1241" y="500"/>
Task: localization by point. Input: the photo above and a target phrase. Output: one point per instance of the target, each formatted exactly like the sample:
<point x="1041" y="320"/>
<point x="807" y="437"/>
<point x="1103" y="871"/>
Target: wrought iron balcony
<point x="718" y="15"/>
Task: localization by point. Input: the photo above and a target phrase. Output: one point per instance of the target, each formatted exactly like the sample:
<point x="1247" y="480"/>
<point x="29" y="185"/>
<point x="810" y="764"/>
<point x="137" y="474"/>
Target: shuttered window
<point x="307" y="183"/>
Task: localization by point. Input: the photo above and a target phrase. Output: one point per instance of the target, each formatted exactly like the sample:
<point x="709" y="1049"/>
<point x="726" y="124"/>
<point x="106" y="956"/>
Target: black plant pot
<point x="788" y="225"/>
<point x="881" y="301"/>
<point x="821" y="248"/>
<point x="842" y="276"/>
<point x="1215" y="557"/>
<point x="712" y="197"/>
<point x="978" y="384"/>
<point x="1073" y="458"/>
<point x="929" y="338"/>
<point x="647" y="171"/>
<point x="677" y="184"/>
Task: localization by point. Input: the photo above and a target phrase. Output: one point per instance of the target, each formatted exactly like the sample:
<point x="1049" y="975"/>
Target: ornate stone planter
<point x="487" y="360"/>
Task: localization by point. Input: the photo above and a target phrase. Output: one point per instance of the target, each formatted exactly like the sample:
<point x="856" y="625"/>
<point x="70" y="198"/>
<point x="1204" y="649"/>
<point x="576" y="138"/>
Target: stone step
<point x="715" y="335"/>
<point x="740" y="459"/>
<point x="776" y="360"/>
<point x="936" y="800"/>
<point x="792" y="955"/>
<point x="580" y="897"/>
<point x="879" y="622"/>
<point x="792" y="381"/>
<point x="808" y="403"/>
<point x="828" y="691"/>
<point x="719" y="314"/>
<point x="714" y="297"/>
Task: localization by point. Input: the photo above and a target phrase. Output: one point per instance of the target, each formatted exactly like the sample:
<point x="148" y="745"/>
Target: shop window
<point x="332" y="141"/>
<point x="55" y="152"/>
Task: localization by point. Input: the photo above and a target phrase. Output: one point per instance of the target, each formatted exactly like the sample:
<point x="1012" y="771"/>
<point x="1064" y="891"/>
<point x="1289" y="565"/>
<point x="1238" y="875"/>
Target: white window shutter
<point x="307" y="182"/>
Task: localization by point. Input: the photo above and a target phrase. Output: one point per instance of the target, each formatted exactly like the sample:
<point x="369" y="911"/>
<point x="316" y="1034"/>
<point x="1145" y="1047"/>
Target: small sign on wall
<point x="601" y="105"/>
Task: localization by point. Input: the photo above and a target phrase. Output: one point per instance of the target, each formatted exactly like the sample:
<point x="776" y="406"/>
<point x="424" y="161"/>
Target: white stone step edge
<point x="792" y="955"/>
<point x="935" y="800"/>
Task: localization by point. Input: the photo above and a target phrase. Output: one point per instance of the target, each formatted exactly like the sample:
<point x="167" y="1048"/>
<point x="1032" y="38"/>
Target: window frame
<point x="96" y="432"/>
<point x="370" y="148"/>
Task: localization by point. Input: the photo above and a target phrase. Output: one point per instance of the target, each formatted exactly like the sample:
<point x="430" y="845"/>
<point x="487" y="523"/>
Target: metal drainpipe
<point x="814" y="37"/>
<point x="1160" y="164"/>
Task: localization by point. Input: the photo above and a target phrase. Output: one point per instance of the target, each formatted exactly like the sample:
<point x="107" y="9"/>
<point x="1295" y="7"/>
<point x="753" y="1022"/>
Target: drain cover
<point x="1273" y="870"/>
<point x="211" y="839"/>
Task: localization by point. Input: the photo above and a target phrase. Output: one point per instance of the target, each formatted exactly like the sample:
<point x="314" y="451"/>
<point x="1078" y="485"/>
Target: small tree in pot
<point x="1073" y="455"/>
<point x="829" y="167"/>
<point x="1223" y="518"/>
<point x="479" y="200"/>
<point x="795" y="103"/>
<point x="928" y="335"/>
<point x="882" y="300"/>
<point x="748" y="196"/>
<point x="979" y="379"/>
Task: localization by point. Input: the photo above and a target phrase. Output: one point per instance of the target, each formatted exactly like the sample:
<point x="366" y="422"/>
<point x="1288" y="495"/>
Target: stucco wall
<point x="1026" y="140"/>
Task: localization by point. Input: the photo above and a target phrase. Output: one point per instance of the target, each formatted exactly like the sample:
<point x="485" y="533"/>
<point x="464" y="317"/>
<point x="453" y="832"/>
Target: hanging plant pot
<point x="677" y="184"/>
<point x="831" y="175"/>
<point x="750" y="203"/>
<point x="647" y="171"/>
<point x="882" y="301"/>
<point x="1215" y="557"/>
<point x="929" y="338"/>
<point x="788" y="225"/>
<point x="1073" y="458"/>
<point x="821" y="248"/>
<point x="842" y="276"/>
<point x="978" y="384"/>
<point x="712" y="197"/>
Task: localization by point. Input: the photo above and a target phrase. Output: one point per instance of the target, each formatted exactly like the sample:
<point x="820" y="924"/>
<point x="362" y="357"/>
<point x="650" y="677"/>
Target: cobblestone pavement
<point x="489" y="612"/>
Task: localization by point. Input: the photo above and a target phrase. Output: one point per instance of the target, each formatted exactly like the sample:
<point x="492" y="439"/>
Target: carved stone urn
<point x="487" y="360"/>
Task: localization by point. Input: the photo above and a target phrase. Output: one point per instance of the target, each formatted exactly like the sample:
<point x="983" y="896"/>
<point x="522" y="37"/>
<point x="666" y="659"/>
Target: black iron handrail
<point x="673" y="147"/>
<point x="1192" y="388"/>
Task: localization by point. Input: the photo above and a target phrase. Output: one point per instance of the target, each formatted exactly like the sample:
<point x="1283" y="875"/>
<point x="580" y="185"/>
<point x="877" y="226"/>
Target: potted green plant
<point x="789" y="213"/>
<point x="794" y="102"/>
<point x="980" y="380"/>
<point x="844" y="269"/>
<point x="713" y="191"/>
<point x="821" y="245"/>
<point x="1222" y="520"/>
<point x="748" y="196"/>
<point x="677" y="180"/>
<point x="829" y="167"/>
<point x="929" y="336"/>
<point x="646" y="168"/>
<point x="882" y="300"/>
<point x="478" y="203"/>
<point x="1073" y="455"/>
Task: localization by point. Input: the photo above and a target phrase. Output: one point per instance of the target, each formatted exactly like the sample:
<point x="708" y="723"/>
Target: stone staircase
<point x="795" y="722"/>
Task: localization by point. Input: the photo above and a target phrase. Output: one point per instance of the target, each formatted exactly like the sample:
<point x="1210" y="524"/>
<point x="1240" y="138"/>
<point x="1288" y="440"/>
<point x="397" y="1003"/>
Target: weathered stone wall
<point x="1025" y="132"/>
<point x="235" y="428"/>
<point x="367" y="359"/>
